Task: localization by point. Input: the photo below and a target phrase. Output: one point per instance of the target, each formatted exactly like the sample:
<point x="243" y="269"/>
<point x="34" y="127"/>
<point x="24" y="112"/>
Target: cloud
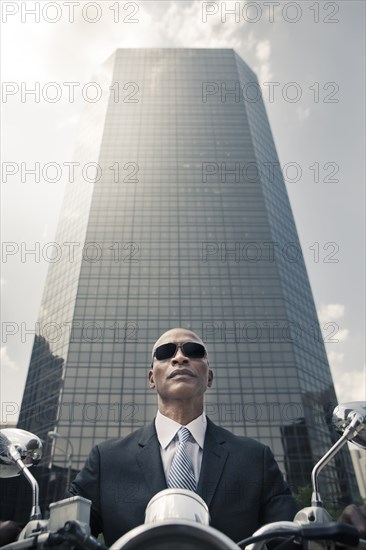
<point x="263" y="50"/>
<point x="341" y="335"/>
<point x="45" y="231"/>
<point x="264" y="73"/>
<point x="263" y="54"/>
<point x="335" y="358"/>
<point x="303" y="113"/>
<point x="68" y="122"/>
<point x="350" y="386"/>
<point x="328" y="315"/>
<point x="182" y="26"/>
<point x="10" y="387"/>
<point x="250" y="41"/>
<point x="7" y="364"/>
<point x="330" y="312"/>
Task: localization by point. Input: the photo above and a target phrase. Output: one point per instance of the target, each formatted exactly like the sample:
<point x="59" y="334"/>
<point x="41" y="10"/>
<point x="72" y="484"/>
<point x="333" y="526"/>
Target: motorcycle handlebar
<point x="73" y="533"/>
<point x="337" y="532"/>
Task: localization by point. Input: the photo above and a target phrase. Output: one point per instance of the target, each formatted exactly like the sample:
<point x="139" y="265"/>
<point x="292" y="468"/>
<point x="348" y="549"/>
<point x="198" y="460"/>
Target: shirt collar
<point x="166" y="429"/>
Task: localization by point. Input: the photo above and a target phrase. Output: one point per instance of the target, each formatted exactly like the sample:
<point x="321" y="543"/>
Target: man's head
<point x="180" y="372"/>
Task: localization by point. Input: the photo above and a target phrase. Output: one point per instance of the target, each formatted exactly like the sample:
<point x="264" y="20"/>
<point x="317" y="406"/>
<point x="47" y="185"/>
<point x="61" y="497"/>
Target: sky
<point x="310" y="61"/>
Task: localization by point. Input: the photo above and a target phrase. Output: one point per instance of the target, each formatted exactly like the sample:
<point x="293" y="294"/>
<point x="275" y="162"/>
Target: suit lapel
<point x="213" y="462"/>
<point x="149" y="459"/>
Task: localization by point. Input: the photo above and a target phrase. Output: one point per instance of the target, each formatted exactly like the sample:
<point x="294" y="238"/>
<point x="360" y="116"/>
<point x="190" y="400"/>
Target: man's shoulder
<point x="141" y="435"/>
<point x="224" y="435"/>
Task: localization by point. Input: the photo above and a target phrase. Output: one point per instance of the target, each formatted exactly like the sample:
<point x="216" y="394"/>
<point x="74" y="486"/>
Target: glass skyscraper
<point x="177" y="214"/>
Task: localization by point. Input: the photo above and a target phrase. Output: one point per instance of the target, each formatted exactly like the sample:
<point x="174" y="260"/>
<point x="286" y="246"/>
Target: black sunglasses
<point x="192" y="350"/>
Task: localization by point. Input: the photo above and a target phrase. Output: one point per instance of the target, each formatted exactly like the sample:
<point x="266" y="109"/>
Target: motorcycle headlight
<point x="174" y="534"/>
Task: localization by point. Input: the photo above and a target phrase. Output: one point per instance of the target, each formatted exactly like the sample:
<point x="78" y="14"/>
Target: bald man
<point x="237" y="477"/>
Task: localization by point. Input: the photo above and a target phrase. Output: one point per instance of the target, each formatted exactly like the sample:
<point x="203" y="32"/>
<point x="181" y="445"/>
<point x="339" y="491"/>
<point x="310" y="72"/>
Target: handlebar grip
<point x="73" y="532"/>
<point x="339" y="532"/>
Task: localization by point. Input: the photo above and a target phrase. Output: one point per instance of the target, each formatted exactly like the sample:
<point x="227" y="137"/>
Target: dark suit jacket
<point x="240" y="482"/>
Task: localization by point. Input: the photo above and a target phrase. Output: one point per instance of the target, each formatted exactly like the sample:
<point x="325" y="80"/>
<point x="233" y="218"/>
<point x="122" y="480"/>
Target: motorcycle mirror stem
<point x="356" y="422"/>
<point x="349" y="419"/>
<point x="18" y="450"/>
<point x="15" y="455"/>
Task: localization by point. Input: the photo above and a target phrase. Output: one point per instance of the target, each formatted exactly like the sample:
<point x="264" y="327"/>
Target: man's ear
<point x="210" y="378"/>
<point x="151" y="379"/>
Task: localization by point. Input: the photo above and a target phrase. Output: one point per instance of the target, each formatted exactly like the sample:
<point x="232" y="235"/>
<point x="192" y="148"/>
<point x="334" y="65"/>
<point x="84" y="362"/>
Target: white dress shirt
<point x="167" y="429"/>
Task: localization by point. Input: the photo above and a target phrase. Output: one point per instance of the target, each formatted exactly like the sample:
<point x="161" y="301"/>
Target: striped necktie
<point x="181" y="472"/>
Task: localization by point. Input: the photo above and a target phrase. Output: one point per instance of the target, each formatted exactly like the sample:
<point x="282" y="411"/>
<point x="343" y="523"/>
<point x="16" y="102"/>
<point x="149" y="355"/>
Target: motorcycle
<point x="177" y="518"/>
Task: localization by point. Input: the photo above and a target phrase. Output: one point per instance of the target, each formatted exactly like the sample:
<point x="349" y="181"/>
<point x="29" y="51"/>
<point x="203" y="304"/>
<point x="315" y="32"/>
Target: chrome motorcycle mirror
<point x="346" y="414"/>
<point x="352" y="423"/>
<point x="28" y="446"/>
<point x="20" y="449"/>
<point x="350" y="420"/>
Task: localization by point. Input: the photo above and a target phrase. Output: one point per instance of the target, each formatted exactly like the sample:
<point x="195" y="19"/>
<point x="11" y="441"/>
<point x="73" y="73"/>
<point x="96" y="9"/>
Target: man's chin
<point x="183" y="389"/>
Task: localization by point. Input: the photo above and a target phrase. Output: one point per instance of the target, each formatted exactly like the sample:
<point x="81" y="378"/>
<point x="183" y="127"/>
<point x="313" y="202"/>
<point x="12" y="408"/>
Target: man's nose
<point x="180" y="358"/>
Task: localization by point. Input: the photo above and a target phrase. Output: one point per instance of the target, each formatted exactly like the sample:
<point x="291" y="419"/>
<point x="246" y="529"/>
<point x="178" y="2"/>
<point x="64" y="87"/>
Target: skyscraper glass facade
<point x="187" y="223"/>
